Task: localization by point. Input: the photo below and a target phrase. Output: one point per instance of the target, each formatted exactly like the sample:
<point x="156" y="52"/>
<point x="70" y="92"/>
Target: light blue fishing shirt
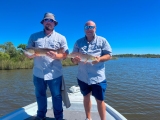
<point x="44" y="66"/>
<point x="92" y="73"/>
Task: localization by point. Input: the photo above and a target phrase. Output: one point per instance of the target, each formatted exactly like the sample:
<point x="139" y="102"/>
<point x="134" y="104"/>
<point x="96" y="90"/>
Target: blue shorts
<point x="98" y="90"/>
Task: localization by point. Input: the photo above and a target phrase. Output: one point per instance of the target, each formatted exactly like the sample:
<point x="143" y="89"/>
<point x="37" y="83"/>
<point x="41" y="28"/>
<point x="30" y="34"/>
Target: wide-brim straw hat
<point x="49" y="16"/>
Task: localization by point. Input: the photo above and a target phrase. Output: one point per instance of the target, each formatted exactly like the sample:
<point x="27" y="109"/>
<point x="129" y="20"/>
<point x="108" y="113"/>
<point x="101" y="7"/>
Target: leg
<point x="98" y="91"/>
<point x="55" y="88"/>
<point x="87" y="105"/>
<point x="86" y="91"/>
<point x="40" y="92"/>
<point x="101" y="109"/>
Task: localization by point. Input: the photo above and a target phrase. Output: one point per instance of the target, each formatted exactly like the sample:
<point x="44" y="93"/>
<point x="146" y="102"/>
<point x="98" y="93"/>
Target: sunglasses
<point x="48" y="20"/>
<point x="89" y="27"/>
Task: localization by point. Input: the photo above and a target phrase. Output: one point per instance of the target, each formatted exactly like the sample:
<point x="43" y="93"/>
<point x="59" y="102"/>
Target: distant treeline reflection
<point x="13" y="58"/>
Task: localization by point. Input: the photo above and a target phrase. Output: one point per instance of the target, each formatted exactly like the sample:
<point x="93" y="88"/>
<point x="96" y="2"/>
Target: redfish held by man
<point x="84" y="57"/>
<point x="40" y="51"/>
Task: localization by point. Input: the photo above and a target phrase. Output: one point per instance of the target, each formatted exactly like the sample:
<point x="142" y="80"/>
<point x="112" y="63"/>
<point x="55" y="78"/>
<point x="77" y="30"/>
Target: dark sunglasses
<point x="89" y="27"/>
<point x="48" y="20"/>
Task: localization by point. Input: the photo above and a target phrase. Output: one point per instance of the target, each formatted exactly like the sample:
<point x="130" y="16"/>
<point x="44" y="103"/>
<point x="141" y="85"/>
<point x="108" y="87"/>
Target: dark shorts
<point x="98" y="90"/>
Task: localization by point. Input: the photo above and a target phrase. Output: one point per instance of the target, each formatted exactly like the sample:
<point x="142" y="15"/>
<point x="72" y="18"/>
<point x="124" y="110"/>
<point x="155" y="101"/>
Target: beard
<point x="48" y="27"/>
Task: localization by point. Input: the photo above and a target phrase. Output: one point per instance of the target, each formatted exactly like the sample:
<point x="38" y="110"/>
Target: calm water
<point x="133" y="87"/>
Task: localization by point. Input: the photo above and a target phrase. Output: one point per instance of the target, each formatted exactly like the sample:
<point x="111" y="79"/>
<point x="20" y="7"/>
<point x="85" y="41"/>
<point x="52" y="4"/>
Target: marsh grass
<point x="25" y="64"/>
<point x="10" y="65"/>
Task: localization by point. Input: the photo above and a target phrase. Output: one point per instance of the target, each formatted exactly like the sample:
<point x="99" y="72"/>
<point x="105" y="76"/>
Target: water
<point x="133" y="87"/>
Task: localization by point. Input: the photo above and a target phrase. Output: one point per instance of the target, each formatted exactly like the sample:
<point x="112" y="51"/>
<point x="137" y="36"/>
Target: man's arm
<point x="105" y="58"/>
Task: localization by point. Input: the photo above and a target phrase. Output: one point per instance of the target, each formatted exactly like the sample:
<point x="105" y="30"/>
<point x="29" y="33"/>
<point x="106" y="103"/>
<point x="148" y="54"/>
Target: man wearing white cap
<point x="47" y="70"/>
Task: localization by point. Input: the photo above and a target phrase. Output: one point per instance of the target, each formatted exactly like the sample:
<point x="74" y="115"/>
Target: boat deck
<point x="69" y="115"/>
<point x="74" y="112"/>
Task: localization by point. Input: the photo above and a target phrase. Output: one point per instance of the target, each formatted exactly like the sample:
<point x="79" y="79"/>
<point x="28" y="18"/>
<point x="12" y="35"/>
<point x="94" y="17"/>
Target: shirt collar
<point x="93" y="41"/>
<point x="49" y="34"/>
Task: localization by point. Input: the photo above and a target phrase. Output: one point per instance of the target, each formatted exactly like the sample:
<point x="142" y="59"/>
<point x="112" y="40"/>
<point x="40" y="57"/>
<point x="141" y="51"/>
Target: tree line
<point x="139" y="55"/>
<point x="9" y="52"/>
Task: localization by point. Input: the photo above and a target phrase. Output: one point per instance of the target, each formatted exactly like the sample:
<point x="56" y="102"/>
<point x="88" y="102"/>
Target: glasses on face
<point x="48" y="20"/>
<point x="89" y="27"/>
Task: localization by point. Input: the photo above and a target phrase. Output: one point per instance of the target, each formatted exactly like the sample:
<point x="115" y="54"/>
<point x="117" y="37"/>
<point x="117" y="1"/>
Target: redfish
<point x="40" y="51"/>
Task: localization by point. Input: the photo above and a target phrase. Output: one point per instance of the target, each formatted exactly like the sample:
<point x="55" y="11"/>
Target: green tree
<point x="4" y="56"/>
<point x="22" y="46"/>
<point x="10" y="49"/>
<point x="2" y="48"/>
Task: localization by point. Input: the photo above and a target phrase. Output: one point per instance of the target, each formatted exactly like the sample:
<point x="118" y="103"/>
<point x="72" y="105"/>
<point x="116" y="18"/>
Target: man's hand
<point x="52" y="54"/>
<point x="76" y="60"/>
<point x="98" y="59"/>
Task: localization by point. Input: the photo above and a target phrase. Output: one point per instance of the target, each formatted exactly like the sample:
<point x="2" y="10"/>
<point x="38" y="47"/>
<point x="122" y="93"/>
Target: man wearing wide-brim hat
<point x="47" y="70"/>
<point x="49" y="16"/>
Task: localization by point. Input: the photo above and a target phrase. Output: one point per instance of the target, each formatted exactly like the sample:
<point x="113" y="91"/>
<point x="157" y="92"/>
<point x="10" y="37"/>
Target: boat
<point x="74" y="112"/>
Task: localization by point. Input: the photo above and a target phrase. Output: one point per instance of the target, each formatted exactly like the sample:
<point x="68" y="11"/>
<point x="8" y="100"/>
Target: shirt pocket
<point x="39" y="43"/>
<point x="96" y="50"/>
<point x="54" y="44"/>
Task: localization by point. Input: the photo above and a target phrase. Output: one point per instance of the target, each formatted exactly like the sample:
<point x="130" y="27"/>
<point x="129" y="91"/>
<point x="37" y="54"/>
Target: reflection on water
<point x="133" y="87"/>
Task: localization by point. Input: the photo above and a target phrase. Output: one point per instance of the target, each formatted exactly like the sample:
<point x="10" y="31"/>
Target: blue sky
<point x="130" y="26"/>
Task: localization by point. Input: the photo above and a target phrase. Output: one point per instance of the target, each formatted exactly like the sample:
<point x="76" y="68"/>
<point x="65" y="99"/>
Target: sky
<point x="130" y="26"/>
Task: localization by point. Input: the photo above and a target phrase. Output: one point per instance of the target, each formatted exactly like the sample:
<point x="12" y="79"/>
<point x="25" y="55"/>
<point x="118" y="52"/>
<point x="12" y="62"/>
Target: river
<point x="133" y="87"/>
